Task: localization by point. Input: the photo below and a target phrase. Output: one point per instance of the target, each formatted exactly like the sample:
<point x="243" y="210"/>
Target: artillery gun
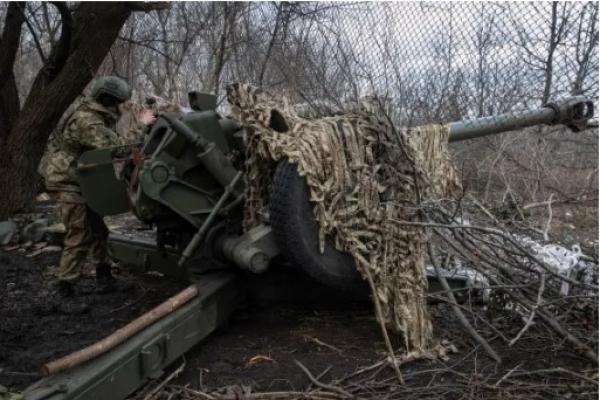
<point x="186" y="182"/>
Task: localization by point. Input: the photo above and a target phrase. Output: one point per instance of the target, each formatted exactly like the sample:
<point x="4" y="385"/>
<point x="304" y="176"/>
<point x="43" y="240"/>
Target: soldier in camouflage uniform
<point x="91" y="126"/>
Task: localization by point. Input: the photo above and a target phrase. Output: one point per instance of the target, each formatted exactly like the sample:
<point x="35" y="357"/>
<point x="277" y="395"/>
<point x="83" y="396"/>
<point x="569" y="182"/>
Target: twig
<point x="322" y="374"/>
<point x="484" y="209"/>
<point x="502" y="235"/>
<point x="520" y="299"/>
<point x="549" y="220"/>
<point x="507" y="374"/>
<point x="321" y="343"/>
<point x="559" y="370"/>
<point x="539" y="204"/>
<point x="362" y="371"/>
<point x="169" y="378"/>
<point x="384" y="332"/>
<point x="36" y="41"/>
<point x="533" y="310"/>
<point x="292" y="395"/>
<point x="461" y="317"/>
<point x="321" y="384"/>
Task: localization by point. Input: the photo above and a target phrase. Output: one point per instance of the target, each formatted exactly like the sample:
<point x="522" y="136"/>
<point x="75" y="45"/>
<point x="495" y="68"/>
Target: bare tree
<point x="87" y="33"/>
<point x="585" y="46"/>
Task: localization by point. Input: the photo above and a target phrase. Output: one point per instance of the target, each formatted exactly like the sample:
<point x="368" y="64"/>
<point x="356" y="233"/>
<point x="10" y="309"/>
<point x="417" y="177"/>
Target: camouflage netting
<point x="363" y="174"/>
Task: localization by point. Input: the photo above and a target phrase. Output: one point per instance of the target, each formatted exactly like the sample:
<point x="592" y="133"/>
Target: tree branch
<point x="61" y="51"/>
<point x="35" y="38"/>
<point x="144" y="6"/>
<point x="11" y="36"/>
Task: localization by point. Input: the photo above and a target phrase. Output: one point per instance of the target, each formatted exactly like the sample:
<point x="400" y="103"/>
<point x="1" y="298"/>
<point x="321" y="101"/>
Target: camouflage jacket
<point x="91" y="126"/>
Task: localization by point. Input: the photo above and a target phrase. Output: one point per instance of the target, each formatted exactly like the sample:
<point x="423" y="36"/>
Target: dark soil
<point x="326" y="332"/>
<point x="260" y="345"/>
<point x="37" y="326"/>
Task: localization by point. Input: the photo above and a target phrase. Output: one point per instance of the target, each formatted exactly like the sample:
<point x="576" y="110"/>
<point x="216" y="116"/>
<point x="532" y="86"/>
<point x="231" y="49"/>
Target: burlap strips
<point x="363" y="173"/>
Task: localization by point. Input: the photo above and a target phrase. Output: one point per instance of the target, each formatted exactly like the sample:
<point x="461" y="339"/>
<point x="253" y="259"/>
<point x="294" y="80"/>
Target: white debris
<point x="473" y="278"/>
<point x="566" y="262"/>
<point x="570" y="263"/>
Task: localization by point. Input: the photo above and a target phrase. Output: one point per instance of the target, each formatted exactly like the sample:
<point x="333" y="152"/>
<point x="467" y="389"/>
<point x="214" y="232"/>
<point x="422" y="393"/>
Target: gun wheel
<point x="296" y="232"/>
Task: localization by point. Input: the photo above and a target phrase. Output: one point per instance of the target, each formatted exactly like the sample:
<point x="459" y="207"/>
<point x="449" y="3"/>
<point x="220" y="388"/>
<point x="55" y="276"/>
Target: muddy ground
<point x="331" y="334"/>
<point x="261" y="344"/>
<point x="336" y="337"/>
<point x="37" y="326"/>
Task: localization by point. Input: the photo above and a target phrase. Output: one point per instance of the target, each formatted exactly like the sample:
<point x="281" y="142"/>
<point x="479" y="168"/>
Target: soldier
<point x="91" y="126"/>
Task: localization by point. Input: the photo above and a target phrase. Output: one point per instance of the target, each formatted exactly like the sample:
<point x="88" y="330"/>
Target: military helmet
<point x="112" y="86"/>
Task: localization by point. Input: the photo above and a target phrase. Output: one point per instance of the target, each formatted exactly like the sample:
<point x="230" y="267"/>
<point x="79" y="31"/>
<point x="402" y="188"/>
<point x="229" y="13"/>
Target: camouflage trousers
<point x="85" y="236"/>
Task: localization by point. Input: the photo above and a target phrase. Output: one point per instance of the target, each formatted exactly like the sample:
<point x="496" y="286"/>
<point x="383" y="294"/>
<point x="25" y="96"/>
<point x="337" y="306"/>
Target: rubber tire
<point x="296" y="233"/>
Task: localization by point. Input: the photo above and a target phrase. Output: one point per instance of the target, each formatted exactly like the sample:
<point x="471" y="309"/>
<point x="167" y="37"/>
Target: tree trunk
<point x="9" y="45"/>
<point x="95" y="28"/>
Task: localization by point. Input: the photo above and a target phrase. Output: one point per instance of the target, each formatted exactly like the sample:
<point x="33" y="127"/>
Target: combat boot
<point x="105" y="281"/>
<point x="66" y="302"/>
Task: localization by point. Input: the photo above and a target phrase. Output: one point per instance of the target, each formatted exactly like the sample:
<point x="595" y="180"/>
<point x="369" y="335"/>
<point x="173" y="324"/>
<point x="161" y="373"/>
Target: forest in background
<point x="432" y="62"/>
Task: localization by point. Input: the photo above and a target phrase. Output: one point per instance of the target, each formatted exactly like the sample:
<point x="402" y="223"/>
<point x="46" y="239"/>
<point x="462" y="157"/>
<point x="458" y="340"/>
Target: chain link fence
<point x="430" y="61"/>
<point x="440" y="62"/>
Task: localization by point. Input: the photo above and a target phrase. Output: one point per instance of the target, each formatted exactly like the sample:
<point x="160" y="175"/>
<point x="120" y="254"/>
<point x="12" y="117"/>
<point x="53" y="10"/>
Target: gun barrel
<point x="574" y="112"/>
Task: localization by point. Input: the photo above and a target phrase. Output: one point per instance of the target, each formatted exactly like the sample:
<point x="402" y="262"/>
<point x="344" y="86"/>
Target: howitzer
<point x="573" y="112"/>
<point x="186" y="182"/>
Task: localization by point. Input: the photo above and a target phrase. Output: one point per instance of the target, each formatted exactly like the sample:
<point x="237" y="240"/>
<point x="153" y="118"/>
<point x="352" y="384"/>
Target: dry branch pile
<point x="371" y="382"/>
<point x="520" y="281"/>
